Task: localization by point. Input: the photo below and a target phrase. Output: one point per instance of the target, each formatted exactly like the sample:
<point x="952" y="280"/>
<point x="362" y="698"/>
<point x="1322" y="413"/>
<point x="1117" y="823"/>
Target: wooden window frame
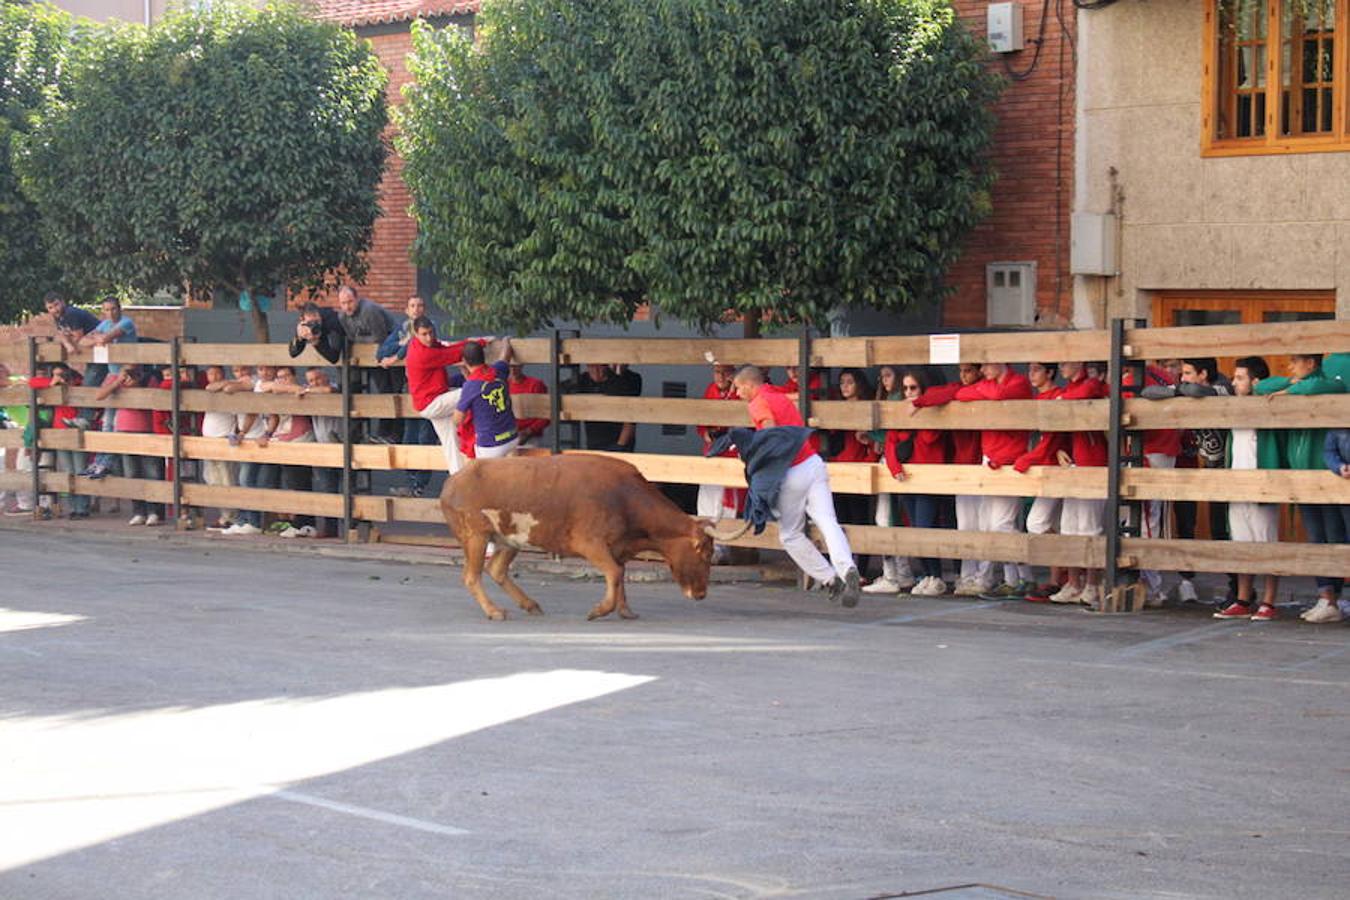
<point x="1272" y="142"/>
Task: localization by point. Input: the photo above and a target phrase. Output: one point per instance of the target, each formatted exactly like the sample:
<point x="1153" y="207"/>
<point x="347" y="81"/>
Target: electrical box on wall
<point x="1005" y="27"/>
<point x="1010" y="293"/>
<point x="1092" y="244"/>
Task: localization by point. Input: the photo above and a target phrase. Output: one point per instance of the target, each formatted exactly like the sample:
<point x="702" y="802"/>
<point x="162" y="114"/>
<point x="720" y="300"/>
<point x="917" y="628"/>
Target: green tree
<point x="759" y="156"/>
<point x="234" y="148"/>
<point x="34" y="40"/>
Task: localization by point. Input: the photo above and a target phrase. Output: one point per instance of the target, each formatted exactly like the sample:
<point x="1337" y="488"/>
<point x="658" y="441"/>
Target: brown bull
<point x="595" y="507"/>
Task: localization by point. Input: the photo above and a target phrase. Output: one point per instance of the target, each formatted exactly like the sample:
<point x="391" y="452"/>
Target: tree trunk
<point x="750" y="322"/>
<point x="261" y="333"/>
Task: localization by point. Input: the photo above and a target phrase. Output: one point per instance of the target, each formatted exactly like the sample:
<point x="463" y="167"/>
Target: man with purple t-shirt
<point x="486" y="397"/>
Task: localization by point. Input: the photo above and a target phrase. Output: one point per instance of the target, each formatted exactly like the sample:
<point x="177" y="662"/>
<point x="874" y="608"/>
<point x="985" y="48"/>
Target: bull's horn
<point x="727" y="537"/>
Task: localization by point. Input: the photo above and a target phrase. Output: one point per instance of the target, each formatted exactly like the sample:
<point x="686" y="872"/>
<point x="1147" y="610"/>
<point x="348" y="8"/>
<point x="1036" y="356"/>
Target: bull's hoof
<point x="627" y="613"/>
<point x="535" y="610"/>
<point x="597" y="613"/>
<point x="495" y="615"/>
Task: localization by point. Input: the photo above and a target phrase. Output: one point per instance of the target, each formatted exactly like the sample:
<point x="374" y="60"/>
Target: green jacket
<point x="1337" y="365"/>
<point x="1301" y="448"/>
<point x="880" y="435"/>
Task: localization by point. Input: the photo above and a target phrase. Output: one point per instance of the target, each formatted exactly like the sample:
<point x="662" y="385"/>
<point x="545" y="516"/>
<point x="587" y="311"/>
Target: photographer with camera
<point x="319" y="328"/>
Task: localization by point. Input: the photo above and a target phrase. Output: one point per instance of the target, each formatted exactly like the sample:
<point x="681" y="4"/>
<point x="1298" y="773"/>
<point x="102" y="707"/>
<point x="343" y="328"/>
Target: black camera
<point x="312" y="327"/>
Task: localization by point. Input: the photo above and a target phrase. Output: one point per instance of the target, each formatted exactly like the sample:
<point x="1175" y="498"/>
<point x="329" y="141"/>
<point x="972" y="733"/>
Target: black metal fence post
<point x="348" y="504"/>
<point x="1121" y="454"/>
<point x="175" y="414"/>
<point x="804" y="374"/>
<point x="555" y="398"/>
<point x="35" y="426"/>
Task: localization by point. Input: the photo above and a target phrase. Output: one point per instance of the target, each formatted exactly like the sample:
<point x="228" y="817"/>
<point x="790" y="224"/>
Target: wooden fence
<point x="1122" y="346"/>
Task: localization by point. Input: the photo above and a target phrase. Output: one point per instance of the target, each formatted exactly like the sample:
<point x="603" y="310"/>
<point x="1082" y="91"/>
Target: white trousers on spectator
<point x="439" y="412"/>
<point x="497" y="452"/>
<point x="968" y="519"/>
<point x="223" y="474"/>
<point x="896" y="568"/>
<point x="1155" y="515"/>
<point x="712" y="500"/>
<point x="806" y="494"/>
<point x="998" y="514"/>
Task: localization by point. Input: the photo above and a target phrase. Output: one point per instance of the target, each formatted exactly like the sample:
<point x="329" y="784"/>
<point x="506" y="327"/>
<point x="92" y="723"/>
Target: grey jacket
<point x="370" y="324"/>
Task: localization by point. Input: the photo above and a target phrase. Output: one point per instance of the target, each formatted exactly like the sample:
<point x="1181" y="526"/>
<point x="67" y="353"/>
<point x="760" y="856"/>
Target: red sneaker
<point x="1265" y="614"/>
<point x="1234" y="611"/>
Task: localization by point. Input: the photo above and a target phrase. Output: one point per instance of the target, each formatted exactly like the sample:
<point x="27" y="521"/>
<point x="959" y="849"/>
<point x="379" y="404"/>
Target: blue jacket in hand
<point x="767" y="456"/>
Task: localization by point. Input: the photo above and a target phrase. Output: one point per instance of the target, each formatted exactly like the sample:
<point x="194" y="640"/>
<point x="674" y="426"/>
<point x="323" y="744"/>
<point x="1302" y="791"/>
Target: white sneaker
<point x="904" y="582"/>
<point x="1070" y="593"/>
<point x="307" y="531"/>
<point x="1326" y="611"/>
<point x="883" y="585"/>
<point x="152" y="519"/>
<point x="970" y="588"/>
<point x="930" y="586"/>
<point x="137" y="520"/>
<point x="291" y="532"/>
<point x="1155" y="600"/>
<point x="244" y="528"/>
<point x="1186" y="592"/>
<point x="1091" y="596"/>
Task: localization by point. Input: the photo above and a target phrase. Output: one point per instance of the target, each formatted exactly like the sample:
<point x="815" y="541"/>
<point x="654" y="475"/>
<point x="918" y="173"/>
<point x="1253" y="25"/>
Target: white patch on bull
<point x="521" y="526"/>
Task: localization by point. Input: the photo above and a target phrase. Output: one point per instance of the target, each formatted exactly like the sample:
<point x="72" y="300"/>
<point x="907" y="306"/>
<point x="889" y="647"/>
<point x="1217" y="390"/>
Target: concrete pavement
<point x="212" y="721"/>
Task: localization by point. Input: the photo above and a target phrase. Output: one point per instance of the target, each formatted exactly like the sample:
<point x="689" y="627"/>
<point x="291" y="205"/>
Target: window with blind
<point x="1276" y="76"/>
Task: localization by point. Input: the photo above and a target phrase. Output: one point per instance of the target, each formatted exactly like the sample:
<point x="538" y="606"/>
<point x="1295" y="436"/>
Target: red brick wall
<point x="1035" y="182"/>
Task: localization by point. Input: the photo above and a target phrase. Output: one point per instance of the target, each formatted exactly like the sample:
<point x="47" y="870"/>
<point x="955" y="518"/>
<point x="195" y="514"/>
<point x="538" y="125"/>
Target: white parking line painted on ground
<point x="365" y="812"/>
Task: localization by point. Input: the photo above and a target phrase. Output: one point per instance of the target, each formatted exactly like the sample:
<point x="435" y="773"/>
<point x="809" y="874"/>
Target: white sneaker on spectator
<point x="1186" y="591"/>
<point x="137" y="520"/>
<point x="1325" y="612"/>
<point x="244" y="528"/>
<point x="291" y="532"/>
<point x="883" y="585"/>
<point x="971" y="587"/>
<point x="152" y="519"/>
<point x="1091" y="596"/>
<point x="307" y="531"/>
<point x="1070" y="593"/>
<point x="930" y="586"/>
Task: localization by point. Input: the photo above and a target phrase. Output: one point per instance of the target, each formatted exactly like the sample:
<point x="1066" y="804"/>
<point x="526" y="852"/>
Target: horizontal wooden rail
<point x="1253" y="486"/>
<point x="11" y="437"/>
<point x="1274" y="411"/>
<point x="14" y="395"/>
<point x="1235" y="556"/>
<point x="1265" y="339"/>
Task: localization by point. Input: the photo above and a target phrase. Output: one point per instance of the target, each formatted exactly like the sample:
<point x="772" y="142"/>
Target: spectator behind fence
<point x="715" y="501"/>
<point x="1305" y="448"/>
<point x="1201" y="448"/>
<point x="803" y="491"/>
<point x="69" y="461"/>
<point x="319" y="328"/>
<point x="616" y="381"/>
<point x="435" y="392"/>
<point x="294" y="428"/>
<point x="1161" y="448"/>
<point x="326" y="430"/>
<point x="531" y="430"/>
<point x="114" y="328"/>
<point x="998" y="448"/>
<point x="1044" y="515"/>
<point x="417" y="431"/>
<point x="1083" y="517"/>
<point x="851" y="445"/>
<point x="486" y="396"/>
<point x="221" y="472"/>
<point x="135" y="421"/>
<point x="259" y="428"/>
<point x="921" y="446"/>
<point x="965" y="451"/>
<point x="71" y="322"/>
<point x="366" y="322"/>
<point x="162" y="423"/>
<point x="897" y="572"/>
<point x="1247" y="449"/>
<point x="31" y="456"/>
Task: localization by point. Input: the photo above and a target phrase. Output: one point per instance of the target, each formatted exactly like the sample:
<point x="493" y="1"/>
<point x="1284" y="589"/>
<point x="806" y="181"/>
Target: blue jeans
<point x="326" y="481"/>
<point x="1325" y="524"/>
<point x="150" y="468"/>
<point x="257" y="475"/>
<point x="73" y="461"/>
<point x="419" y="432"/>
<point x="922" y="511"/>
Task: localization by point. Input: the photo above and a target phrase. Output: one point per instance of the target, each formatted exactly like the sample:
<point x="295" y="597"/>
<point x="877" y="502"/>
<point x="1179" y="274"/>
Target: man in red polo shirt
<point x="433" y="395"/>
<point x="805" y="492"/>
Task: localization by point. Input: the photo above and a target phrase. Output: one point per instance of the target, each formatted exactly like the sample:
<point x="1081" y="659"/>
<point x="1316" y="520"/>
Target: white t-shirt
<point x="260" y="423"/>
<point x="217" y="424"/>
<point x="327" y="429"/>
<point x="1244" y="448"/>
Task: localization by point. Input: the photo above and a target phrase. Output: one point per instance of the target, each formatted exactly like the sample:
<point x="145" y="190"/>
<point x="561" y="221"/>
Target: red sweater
<point x="965" y="443"/>
<point x="1001" y="447"/>
<point x="1088" y="447"/>
<point x="1166" y="441"/>
<point x="930" y="447"/>
<point x="1046" y="450"/>
<point x="528" y="384"/>
<point x="425" y="368"/>
<point x="855" y="450"/>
